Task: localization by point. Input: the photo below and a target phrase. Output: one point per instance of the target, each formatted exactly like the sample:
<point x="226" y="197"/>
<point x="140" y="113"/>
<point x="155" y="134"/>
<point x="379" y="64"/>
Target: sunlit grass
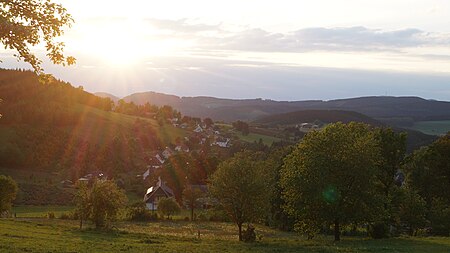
<point x="47" y="235"/>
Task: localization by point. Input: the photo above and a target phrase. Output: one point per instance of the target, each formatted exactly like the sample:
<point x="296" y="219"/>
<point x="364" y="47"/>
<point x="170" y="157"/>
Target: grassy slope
<point x="42" y="235"/>
<point x="432" y="127"/>
<point x="101" y="125"/>
<point x="40" y="211"/>
<point x="252" y="137"/>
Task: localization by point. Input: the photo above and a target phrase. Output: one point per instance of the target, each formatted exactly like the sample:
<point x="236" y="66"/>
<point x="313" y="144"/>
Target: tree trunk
<point x="192" y="213"/>
<point x="240" y="231"/>
<point x="337" y="230"/>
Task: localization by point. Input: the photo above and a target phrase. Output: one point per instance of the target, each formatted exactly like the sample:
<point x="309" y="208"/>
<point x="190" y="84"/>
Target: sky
<point x="282" y="50"/>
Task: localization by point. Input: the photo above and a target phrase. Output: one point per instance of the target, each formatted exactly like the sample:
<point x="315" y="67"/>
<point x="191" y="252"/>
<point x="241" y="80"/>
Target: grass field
<point x="432" y="127"/>
<point x="47" y="235"/>
<point x="40" y="211"/>
<point x="252" y="137"/>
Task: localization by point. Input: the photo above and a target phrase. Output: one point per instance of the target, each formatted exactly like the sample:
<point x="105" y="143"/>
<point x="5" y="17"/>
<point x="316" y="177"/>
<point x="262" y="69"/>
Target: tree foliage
<point x="27" y="23"/>
<point x="240" y="187"/>
<point x="8" y="191"/>
<point x="191" y="196"/>
<point x="101" y="202"/>
<point x="392" y="148"/>
<point x="168" y="207"/>
<point x="329" y="178"/>
<point x="429" y="170"/>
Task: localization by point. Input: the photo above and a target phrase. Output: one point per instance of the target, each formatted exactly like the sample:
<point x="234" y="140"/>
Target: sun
<point x="123" y="44"/>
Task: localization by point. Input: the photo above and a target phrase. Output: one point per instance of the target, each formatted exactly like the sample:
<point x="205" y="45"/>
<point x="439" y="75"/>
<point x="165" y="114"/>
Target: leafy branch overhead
<point x="27" y="23"/>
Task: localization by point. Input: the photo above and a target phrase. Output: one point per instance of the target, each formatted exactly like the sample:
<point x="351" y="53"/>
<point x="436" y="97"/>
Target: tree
<point x="168" y="206"/>
<point x="412" y="211"/>
<point x="191" y="195"/>
<point x="392" y="147"/>
<point x="26" y="23"/>
<point x="429" y="170"/>
<point x="242" y="127"/>
<point x="100" y="203"/>
<point x="82" y="202"/>
<point x="239" y="186"/>
<point x="8" y="192"/>
<point x="330" y="176"/>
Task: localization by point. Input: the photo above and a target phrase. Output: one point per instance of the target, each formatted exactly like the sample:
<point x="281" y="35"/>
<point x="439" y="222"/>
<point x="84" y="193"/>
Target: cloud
<point x="181" y="25"/>
<point x="327" y="39"/>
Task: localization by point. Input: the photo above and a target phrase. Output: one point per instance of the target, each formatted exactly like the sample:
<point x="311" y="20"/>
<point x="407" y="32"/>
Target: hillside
<point x="55" y="127"/>
<point x="107" y="95"/>
<point x="394" y="110"/>
<point x="325" y="116"/>
<point x="415" y="139"/>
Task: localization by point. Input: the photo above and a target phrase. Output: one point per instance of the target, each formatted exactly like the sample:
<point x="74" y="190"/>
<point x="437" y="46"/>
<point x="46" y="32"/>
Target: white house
<point x="154" y="193"/>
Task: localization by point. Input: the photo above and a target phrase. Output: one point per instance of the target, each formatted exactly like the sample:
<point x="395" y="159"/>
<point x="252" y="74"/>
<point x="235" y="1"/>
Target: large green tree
<point x="392" y="148"/>
<point x="429" y="170"/>
<point x="27" y="23"/>
<point x="100" y="203"/>
<point x="168" y="207"/>
<point x="329" y="178"/>
<point x="8" y="191"/>
<point x="429" y="175"/>
<point x="240" y="187"/>
<point x="191" y="196"/>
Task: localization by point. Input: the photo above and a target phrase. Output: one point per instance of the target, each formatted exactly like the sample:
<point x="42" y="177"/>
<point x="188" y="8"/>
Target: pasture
<point x="432" y="127"/>
<point x="55" y="235"/>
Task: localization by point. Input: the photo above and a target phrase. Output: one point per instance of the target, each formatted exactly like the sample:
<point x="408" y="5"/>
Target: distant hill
<point x="415" y="139"/>
<point x="107" y="95"/>
<point x="325" y="116"/>
<point x="393" y="110"/>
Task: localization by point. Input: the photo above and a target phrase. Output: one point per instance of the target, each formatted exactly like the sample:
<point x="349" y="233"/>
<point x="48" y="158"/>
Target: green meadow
<point x="432" y="127"/>
<point x="55" y="235"/>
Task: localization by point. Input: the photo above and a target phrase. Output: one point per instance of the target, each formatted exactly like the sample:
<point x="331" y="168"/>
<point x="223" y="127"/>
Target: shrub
<point x="379" y="230"/>
<point x="138" y="212"/>
<point x="51" y="215"/>
<point x="168" y="207"/>
<point x="249" y="235"/>
<point x="65" y="216"/>
<point x="440" y="217"/>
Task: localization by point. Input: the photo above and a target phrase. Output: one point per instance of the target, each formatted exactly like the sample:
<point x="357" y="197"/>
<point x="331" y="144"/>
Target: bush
<point x="218" y="216"/>
<point x="168" y="207"/>
<point x="65" y="216"/>
<point x="379" y="230"/>
<point x="51" y="215"/>
<point x="440" y="218"/>
<point x="249" y="235"/>
<point x="138" y="212"/>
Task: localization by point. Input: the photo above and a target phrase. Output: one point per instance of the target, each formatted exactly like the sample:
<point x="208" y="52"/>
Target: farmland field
<point x="26" y="211"/>
<point x="54" y="235"/>
<point x="432" y="127"/>
<point x="252" y="137"/>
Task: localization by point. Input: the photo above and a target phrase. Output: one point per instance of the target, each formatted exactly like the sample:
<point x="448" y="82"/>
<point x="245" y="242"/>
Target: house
<point x="98" y="175"/>
<point x="182" y="148"/>
<point x="66" y="183"/>
<point x="154" y="193"/>
<point x="307" y="126"/>
<point x="160" y="158"/>
<point x="151" y="168"/>
<point x="167" y="153"/>
<point x="222" y="142"/>
<point x="198" y="129"/>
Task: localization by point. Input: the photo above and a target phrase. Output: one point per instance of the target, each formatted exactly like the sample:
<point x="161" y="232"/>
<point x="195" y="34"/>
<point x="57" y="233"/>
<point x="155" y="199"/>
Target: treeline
<point x="345" y="179"/>
<point x="26" y="100"/>
<point x="53" y="126"/>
